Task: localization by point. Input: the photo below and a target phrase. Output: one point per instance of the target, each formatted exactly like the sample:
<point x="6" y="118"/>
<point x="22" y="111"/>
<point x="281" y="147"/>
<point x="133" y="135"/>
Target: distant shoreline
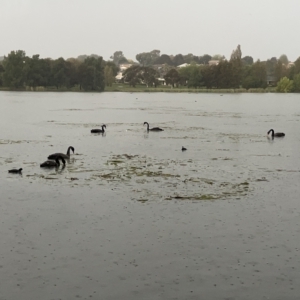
<point x="143" y="89"/>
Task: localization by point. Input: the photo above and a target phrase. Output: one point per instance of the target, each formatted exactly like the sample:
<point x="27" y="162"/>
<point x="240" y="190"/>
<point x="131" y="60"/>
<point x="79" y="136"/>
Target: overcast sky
<point x="68" y="28"/>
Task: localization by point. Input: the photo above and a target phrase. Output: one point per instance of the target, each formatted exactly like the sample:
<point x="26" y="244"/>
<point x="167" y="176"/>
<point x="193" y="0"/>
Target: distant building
<point x="213" y="62"/>
<point x="119" y="77"/>
<point x="183" y="65"/>
<point x="124" y="67"/>
<point x="162" y="81"/>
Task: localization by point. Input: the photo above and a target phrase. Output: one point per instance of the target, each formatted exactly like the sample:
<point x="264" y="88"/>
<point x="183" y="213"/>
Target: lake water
<point x="131" y="216"/>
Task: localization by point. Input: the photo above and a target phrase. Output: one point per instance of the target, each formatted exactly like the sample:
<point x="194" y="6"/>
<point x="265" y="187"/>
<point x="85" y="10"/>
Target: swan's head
<point x="146" y="123"/>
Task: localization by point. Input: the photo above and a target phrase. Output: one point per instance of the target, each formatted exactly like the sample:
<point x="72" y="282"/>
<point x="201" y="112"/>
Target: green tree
<point x="191" y="76"/>
<point x="236" y="68"/>
<point x="91" y="74"/>
<point x="237" y="53"/>
<point x="191" y="58"/>
<point x="172" y="77"/>
<point x="284" y="59"/>
<point x="218" y="57"/>
<point x="132" y="75"/>
<point x="284" y="85"/>
<point x="296" y="83"/>
<point x="164" y="59"/>
<point x="178" y="60"/>
<point x="204" y="59"/>
<point x="209" y="76"/>
<point x="72" y="71"/>
<point x="149" y="76"/>
<point x="119" y="58"/>
<point x="113" y="66"/>
<point x="225" y="75"/>
<point x="297" y="66"/>
<point x="143" y="75"/>
<point x="1" y="74"/>
<point x="255" y="76"/>
<point x="109" y="75"/>
<point x="59" y="73"/>
<point x="148" y="58"/>
<point x="280" y="70"/>
<point x="37" y="71"/>
<point x="13" y="64"/>
<point x="247" y="60"/>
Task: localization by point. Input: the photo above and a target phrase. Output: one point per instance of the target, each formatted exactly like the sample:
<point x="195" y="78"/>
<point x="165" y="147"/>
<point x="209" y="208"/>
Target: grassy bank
<point x="168" y="89"/>
<point x="143" y="89"/>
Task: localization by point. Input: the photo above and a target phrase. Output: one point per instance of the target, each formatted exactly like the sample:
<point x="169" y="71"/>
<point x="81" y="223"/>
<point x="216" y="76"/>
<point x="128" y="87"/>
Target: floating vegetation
<point x="8" y="142"/>
<point x="195" y="197"/>
<point x="146" y="178"/>
<point x="261" y="179"/>
<point x="154" y="179"/>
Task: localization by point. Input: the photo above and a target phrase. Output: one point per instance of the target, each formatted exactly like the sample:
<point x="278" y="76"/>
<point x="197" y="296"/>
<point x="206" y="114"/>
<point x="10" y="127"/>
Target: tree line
<point x="237" y="72"/>
<point x="92" y="73"/>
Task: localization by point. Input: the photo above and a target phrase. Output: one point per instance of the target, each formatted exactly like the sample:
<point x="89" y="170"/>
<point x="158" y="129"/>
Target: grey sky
<point x="68" y="28"/>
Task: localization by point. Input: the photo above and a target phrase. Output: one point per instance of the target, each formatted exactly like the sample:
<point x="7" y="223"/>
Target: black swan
<point x="15" y="171"/>
<point x="183" y="149"/>
<point x="66" y="156"/>
<point x="99" y="130"/>
<point x="152" y="129"/>
<point x="52" y="164"/>
<point x="277" y="134"/>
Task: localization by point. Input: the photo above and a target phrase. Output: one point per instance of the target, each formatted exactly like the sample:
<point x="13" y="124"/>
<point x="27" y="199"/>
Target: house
<point x="213" y="62"/>
<point x="124" y="67"/>
<point x="162" y="81"/>
<point x="119" y="77"/>
<point x="183" y="65"/>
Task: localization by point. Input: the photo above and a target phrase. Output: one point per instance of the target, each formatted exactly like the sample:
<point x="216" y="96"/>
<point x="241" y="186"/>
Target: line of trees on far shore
<point x="92" y="73"/>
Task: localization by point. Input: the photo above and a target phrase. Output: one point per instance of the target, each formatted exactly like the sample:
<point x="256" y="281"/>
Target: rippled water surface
<point x="131" y="216"/>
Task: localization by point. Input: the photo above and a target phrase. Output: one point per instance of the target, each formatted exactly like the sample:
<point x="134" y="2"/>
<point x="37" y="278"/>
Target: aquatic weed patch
<point x="146" y="178"/>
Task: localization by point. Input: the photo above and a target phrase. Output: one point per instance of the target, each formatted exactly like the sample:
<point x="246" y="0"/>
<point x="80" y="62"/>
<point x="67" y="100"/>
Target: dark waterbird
<point x="277" y="134"/>
<point x="99" y="130"/>
<point x="53" y="164"/>
<point x="152" y="129"/>
<point x="183" y="149"/>
<point x="15" y="171"/>
<point x="66" y="156"/>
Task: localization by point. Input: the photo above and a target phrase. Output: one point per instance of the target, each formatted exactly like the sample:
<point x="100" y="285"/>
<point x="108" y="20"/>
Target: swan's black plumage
<point x="183" y="148"/>
<point x="53" y="164"/>
<point x="66" y="156"/>
<point x="277" y="134"/>
<point x="152" y="129"/>
<point x="15" y="171"/>
<point x="99" y="130"/>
